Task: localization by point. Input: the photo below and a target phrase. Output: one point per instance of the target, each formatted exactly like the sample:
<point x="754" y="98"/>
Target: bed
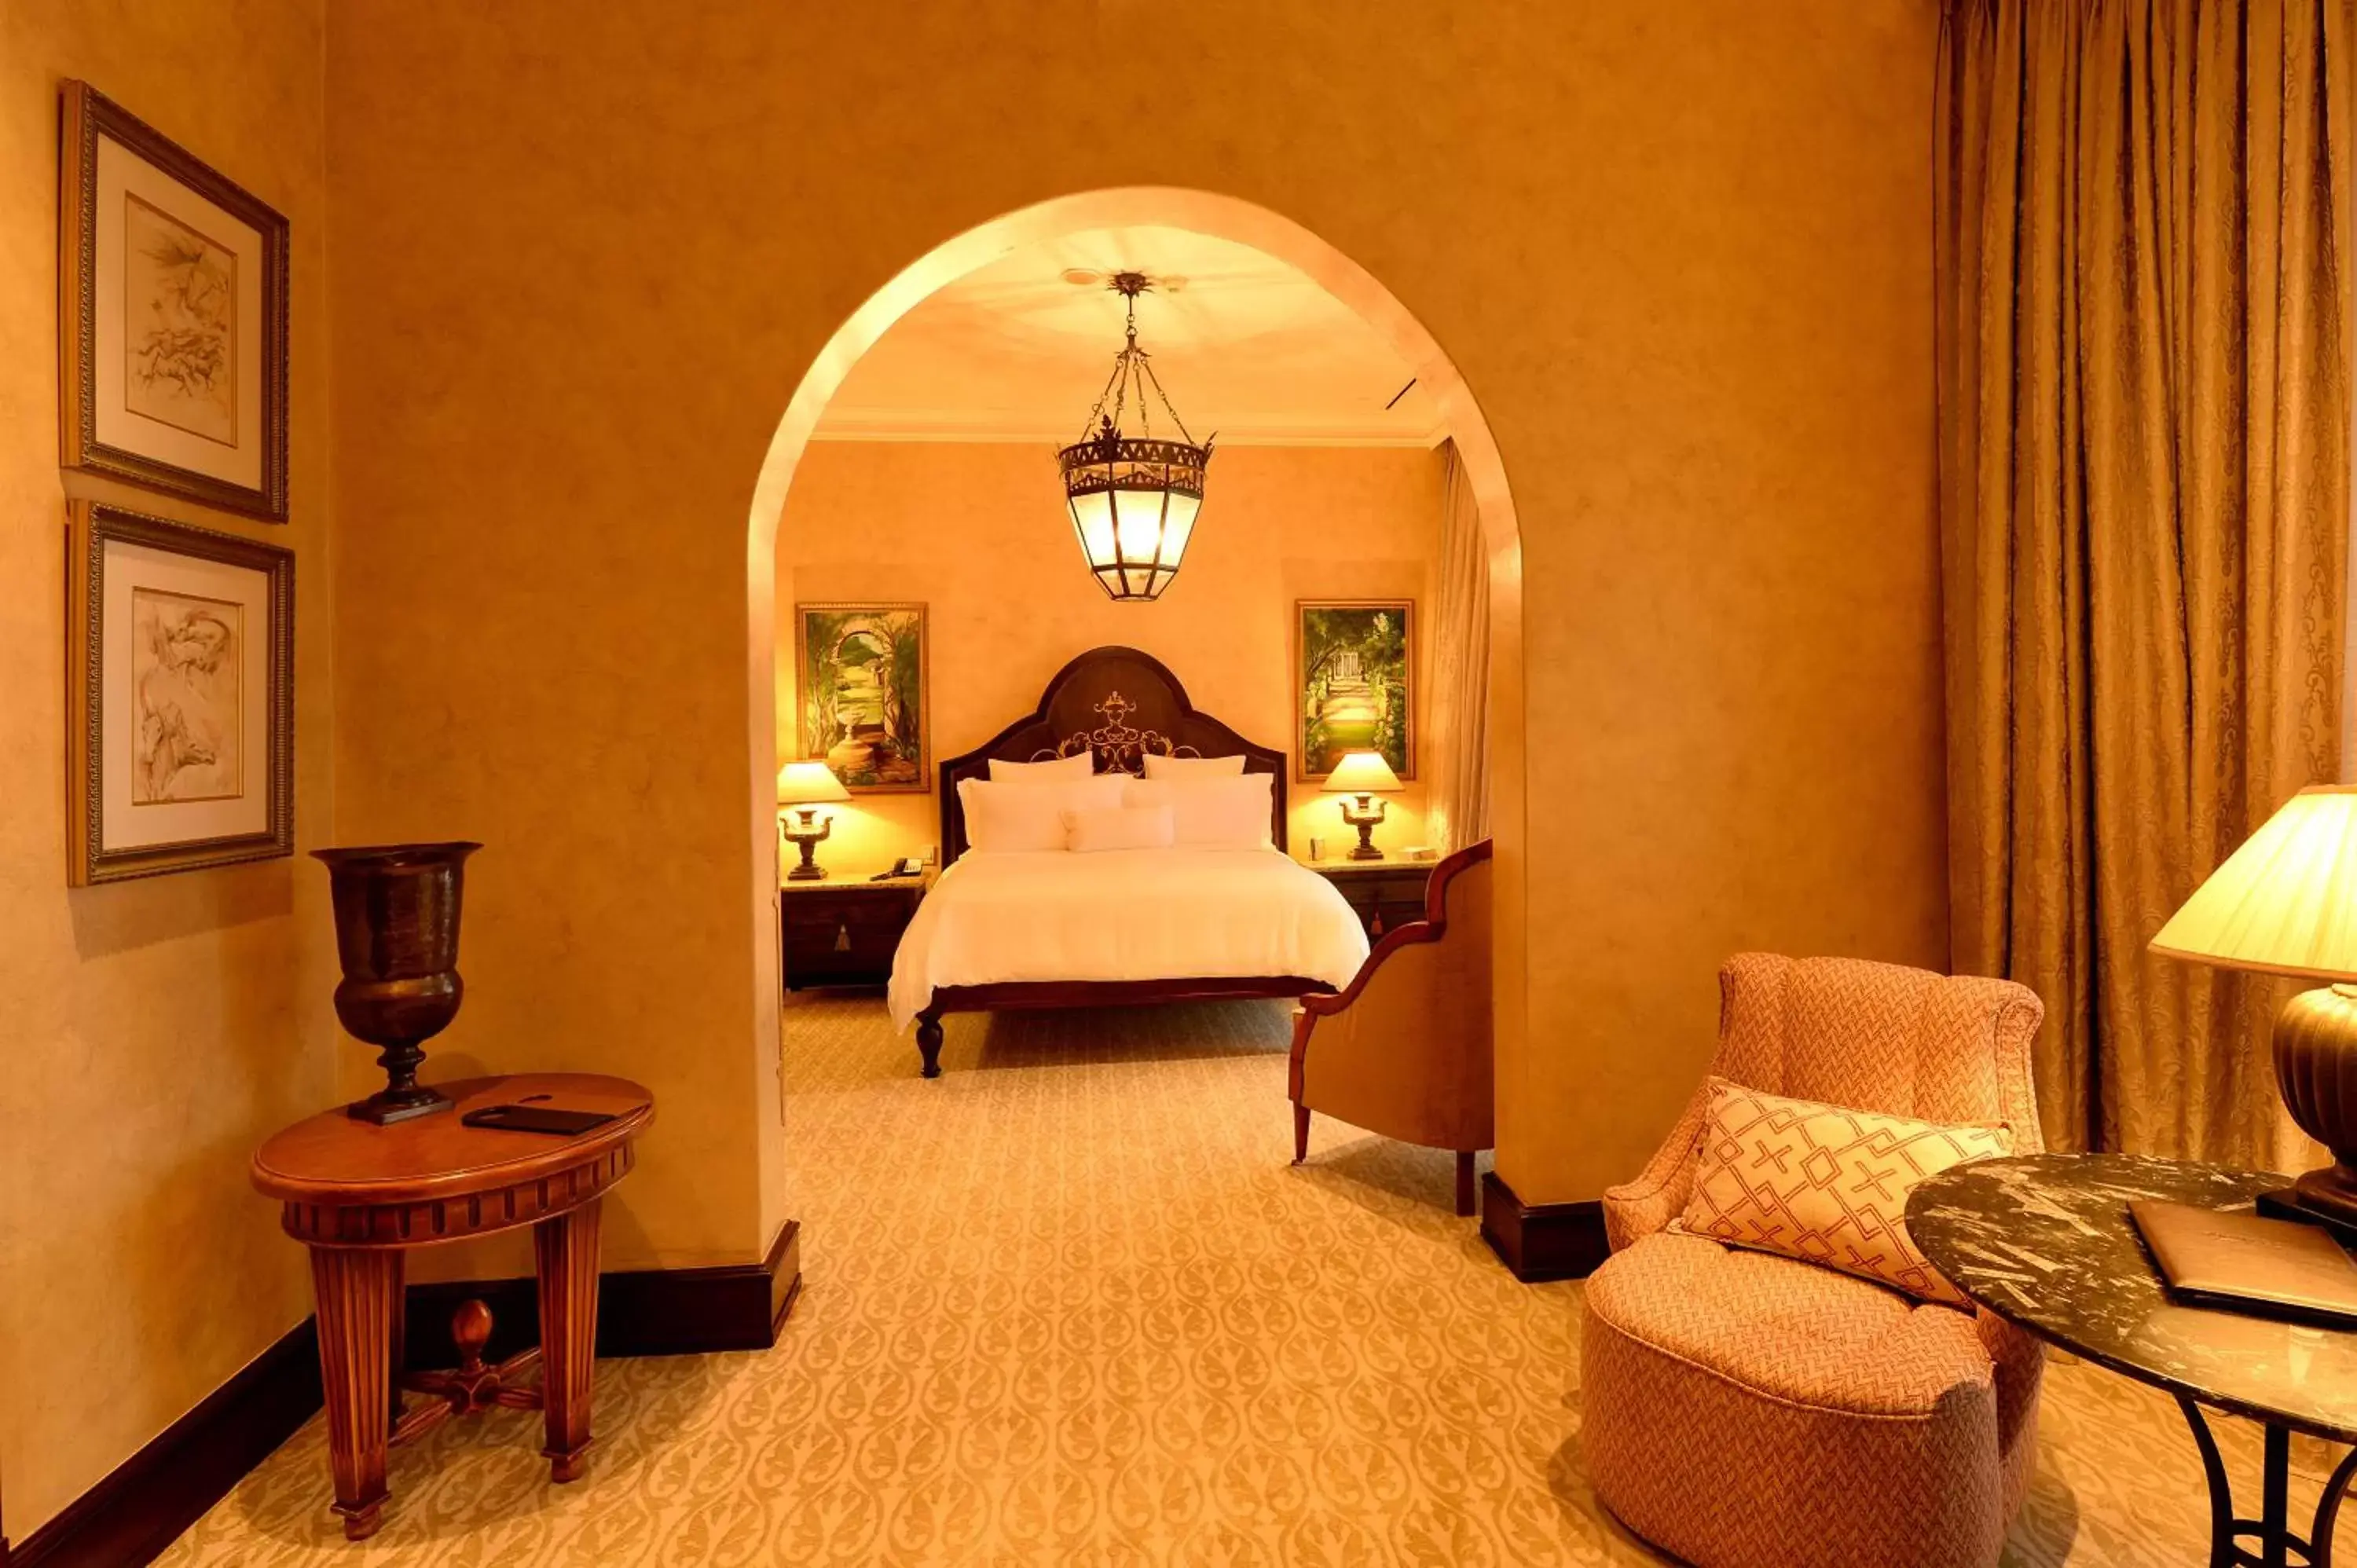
<point x="1010" y="929"/>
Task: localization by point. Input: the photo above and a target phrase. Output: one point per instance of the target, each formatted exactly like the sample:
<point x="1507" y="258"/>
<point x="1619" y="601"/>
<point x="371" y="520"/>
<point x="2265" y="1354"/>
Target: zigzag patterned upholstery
<point x="1749" y="1411"/>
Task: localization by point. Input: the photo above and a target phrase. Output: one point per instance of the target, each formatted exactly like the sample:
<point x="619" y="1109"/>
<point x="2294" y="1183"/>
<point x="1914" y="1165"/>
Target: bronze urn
<point x="397" y="935"/>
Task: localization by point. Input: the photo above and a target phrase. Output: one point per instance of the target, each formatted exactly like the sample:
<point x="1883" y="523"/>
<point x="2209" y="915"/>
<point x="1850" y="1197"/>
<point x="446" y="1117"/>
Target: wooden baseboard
<point x="1542" y="1242"/>
<point x="144" y="1505"/>
<point x="648" y="1311"/>
<point x="141" y="1507"/>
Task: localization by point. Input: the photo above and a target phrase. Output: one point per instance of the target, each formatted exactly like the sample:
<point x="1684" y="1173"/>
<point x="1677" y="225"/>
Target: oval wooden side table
<point x="360" y="1196"/>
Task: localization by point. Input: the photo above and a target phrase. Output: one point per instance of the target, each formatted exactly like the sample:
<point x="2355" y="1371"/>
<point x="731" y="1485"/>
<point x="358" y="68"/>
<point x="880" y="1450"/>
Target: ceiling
<point x="1245" y="345"/>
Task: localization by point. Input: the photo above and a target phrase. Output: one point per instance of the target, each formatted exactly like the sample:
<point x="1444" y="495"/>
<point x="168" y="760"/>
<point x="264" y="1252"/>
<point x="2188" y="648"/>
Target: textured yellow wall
<point x="977" y="531"/>
<point x="1680" y="252"/>
<point x="157" y="1030"/>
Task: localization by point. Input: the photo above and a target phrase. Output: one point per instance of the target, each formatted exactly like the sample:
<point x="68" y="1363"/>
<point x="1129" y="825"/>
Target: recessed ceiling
<point x="1245" y="345"/>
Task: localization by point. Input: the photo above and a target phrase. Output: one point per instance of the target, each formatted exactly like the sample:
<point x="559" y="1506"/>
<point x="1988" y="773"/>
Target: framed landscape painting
<point x="1353" y="682"/>
<point x="173" y="316"/>
<point x="860" y="678"/>
<point x="179" y="698"/>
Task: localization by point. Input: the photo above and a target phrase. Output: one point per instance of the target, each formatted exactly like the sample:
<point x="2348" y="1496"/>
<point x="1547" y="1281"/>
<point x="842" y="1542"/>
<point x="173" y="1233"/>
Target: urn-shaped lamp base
<point x="2316" y="1069"/>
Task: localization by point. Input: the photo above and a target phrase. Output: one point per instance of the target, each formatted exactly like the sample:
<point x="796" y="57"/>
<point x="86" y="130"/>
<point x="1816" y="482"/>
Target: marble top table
<point x="2045" y="1241"/>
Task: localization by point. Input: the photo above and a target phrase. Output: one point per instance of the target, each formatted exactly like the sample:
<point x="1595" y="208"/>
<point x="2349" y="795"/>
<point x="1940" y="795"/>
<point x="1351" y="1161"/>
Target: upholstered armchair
<point x="1404" y="1050"/>
<point x="1747" y="1409"/>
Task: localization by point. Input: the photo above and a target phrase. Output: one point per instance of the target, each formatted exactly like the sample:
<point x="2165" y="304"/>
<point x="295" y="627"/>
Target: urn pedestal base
<point x="385" y="1106"/>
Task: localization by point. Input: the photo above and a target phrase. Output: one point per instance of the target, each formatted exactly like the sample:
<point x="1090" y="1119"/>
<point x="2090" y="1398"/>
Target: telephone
<point x="908" y="866"/>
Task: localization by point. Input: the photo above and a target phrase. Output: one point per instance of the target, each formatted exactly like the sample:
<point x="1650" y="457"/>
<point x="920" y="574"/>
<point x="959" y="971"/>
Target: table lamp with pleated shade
<point x="1365" y="775"/>
<point x="2285" y="903"/>
<point x="806" y="786"/>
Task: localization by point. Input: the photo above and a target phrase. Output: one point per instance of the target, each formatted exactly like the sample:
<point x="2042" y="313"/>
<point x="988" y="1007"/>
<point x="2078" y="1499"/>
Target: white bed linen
<point x="1135" y="913"/>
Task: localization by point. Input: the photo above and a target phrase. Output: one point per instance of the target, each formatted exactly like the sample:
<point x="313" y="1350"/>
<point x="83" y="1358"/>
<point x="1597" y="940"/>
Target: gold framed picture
<point x="1353" y="682"/>
<point x="180" y="697"/>
<point x="860" y="695"/>
<point x="172" y="330"/>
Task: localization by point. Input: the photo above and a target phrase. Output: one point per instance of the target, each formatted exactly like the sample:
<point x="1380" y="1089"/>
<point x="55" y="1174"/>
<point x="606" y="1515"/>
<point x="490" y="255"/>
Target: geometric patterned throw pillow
<point x="1825" y="1184"/>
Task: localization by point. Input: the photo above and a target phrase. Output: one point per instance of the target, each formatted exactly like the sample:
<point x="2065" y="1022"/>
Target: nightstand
<point x="845" y="930"/>
<point x="1386" y="894"/>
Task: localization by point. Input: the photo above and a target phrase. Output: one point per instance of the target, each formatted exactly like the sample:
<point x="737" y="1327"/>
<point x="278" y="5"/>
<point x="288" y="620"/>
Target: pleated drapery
<point x="2143" y="454"/>
<point x="1459" y="705"/>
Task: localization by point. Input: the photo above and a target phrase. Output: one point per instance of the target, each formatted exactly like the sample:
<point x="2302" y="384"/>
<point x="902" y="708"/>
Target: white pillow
<point x="1193" y="767"/>
<point x="1120" y="827"/>
<point x="1001" y="816"/>
<point x="1080" y="765"/>
<point x="1211" y="813"/>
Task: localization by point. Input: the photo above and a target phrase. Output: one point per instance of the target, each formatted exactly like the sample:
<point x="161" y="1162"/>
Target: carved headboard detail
<point x="1120" y="705"/>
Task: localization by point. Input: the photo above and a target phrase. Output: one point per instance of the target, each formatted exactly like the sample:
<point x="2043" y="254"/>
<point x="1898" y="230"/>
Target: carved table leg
<point x="358" y="1292"/>
<point x="397" y="1361"/>
<point x="929" y="1043"/>
<point x="566" y="1250"/>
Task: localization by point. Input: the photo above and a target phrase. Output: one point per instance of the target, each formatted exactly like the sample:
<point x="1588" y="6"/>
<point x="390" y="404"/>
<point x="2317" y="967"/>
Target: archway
<point x="1245" y="222"/>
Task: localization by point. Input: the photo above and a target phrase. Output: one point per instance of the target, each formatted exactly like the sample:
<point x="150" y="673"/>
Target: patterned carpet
<point x="1069" y="1305"/>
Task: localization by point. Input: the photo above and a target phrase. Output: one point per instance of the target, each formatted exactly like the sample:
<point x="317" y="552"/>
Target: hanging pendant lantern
<point x="1133" y="498"/>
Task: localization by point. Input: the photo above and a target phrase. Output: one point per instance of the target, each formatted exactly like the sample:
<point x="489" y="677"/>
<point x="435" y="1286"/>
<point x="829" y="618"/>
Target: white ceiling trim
<point x="955" y="425"/>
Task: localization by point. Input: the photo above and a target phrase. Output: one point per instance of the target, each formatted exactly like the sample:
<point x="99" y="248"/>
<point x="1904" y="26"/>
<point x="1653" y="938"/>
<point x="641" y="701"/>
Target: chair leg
<point x="1464" y="1182"/>
<point x="1300" y="1132"/>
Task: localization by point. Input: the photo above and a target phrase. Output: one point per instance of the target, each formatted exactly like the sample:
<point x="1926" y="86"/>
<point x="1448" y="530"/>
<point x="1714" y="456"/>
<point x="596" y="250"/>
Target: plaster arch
<point x="1245" y="222"/>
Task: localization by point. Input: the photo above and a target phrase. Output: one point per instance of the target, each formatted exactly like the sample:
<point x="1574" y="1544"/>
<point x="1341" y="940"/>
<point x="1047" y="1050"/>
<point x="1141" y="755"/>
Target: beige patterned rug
<point x="1070" y="1305"/>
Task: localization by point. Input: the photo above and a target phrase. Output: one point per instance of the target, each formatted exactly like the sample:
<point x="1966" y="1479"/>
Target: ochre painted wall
<point x="1681" y="253"/>
<point x="157" y="1030"/>
<point x="977" y="532"/>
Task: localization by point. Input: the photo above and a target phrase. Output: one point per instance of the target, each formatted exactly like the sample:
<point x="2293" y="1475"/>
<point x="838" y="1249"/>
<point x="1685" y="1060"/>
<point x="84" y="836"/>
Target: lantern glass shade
<point x="1133" y="505"/>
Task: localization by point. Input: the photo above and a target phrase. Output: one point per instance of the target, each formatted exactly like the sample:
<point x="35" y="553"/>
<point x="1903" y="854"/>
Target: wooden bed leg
<point x="1300" y="1132"/>
<point x="929" y="1043"/>
<point x="1464" y="1182"/>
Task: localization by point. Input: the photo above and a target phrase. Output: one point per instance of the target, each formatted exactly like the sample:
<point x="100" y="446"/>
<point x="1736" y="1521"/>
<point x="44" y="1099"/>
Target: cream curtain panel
<point x="1458" y="704"/>
<point x="2143" y="427"/>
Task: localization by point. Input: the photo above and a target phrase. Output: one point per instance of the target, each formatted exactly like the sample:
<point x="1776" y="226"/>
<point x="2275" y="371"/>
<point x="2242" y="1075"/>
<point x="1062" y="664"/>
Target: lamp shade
<point x="1133" y="505"/>
<point x="2285" y="902"/>
<point x="808" y="783"/>
<point x="1362" y="773"/>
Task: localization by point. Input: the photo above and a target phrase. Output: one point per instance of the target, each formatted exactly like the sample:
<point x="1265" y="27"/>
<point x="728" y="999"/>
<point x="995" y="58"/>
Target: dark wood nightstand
<point x="1386" y="894"/>
<point x="845" y="930"/>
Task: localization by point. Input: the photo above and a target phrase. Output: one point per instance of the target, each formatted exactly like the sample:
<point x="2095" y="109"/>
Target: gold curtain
<point x="1459" y="702"/>
<point x="2144" y="447"/>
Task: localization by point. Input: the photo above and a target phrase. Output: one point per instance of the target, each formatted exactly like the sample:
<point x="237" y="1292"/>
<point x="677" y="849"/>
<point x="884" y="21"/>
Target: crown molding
<point x="944" y="426"/>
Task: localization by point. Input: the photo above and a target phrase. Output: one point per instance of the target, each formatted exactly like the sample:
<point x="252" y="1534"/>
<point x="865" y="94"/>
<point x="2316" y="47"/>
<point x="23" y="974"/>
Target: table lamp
<point x="2285" y="903"/>
<point x="805" y="786"/>
<point x="1365" y="775"/>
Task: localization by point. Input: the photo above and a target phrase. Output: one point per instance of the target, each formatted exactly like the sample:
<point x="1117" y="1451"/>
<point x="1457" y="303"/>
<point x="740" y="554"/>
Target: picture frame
<point x="180" y="697"/>
<point x="1353" y="683"/>
<point x="863" y="693"/>
<point x="172" y="316"/>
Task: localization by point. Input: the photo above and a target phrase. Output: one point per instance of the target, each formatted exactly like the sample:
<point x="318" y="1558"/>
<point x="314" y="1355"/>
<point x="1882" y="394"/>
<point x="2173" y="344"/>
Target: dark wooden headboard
<point x="1122" y="705"/>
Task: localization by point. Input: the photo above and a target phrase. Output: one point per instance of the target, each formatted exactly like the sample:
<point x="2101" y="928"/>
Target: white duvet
<point x="1135" y="914"/>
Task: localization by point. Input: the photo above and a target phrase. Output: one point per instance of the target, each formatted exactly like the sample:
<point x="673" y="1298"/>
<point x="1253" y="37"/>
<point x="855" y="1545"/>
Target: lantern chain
<point x="1131" y="365"/>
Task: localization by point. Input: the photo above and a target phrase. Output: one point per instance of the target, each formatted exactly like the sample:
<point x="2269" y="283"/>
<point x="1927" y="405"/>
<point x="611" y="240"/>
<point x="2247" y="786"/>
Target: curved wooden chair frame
<point x="1432" y="928"/>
